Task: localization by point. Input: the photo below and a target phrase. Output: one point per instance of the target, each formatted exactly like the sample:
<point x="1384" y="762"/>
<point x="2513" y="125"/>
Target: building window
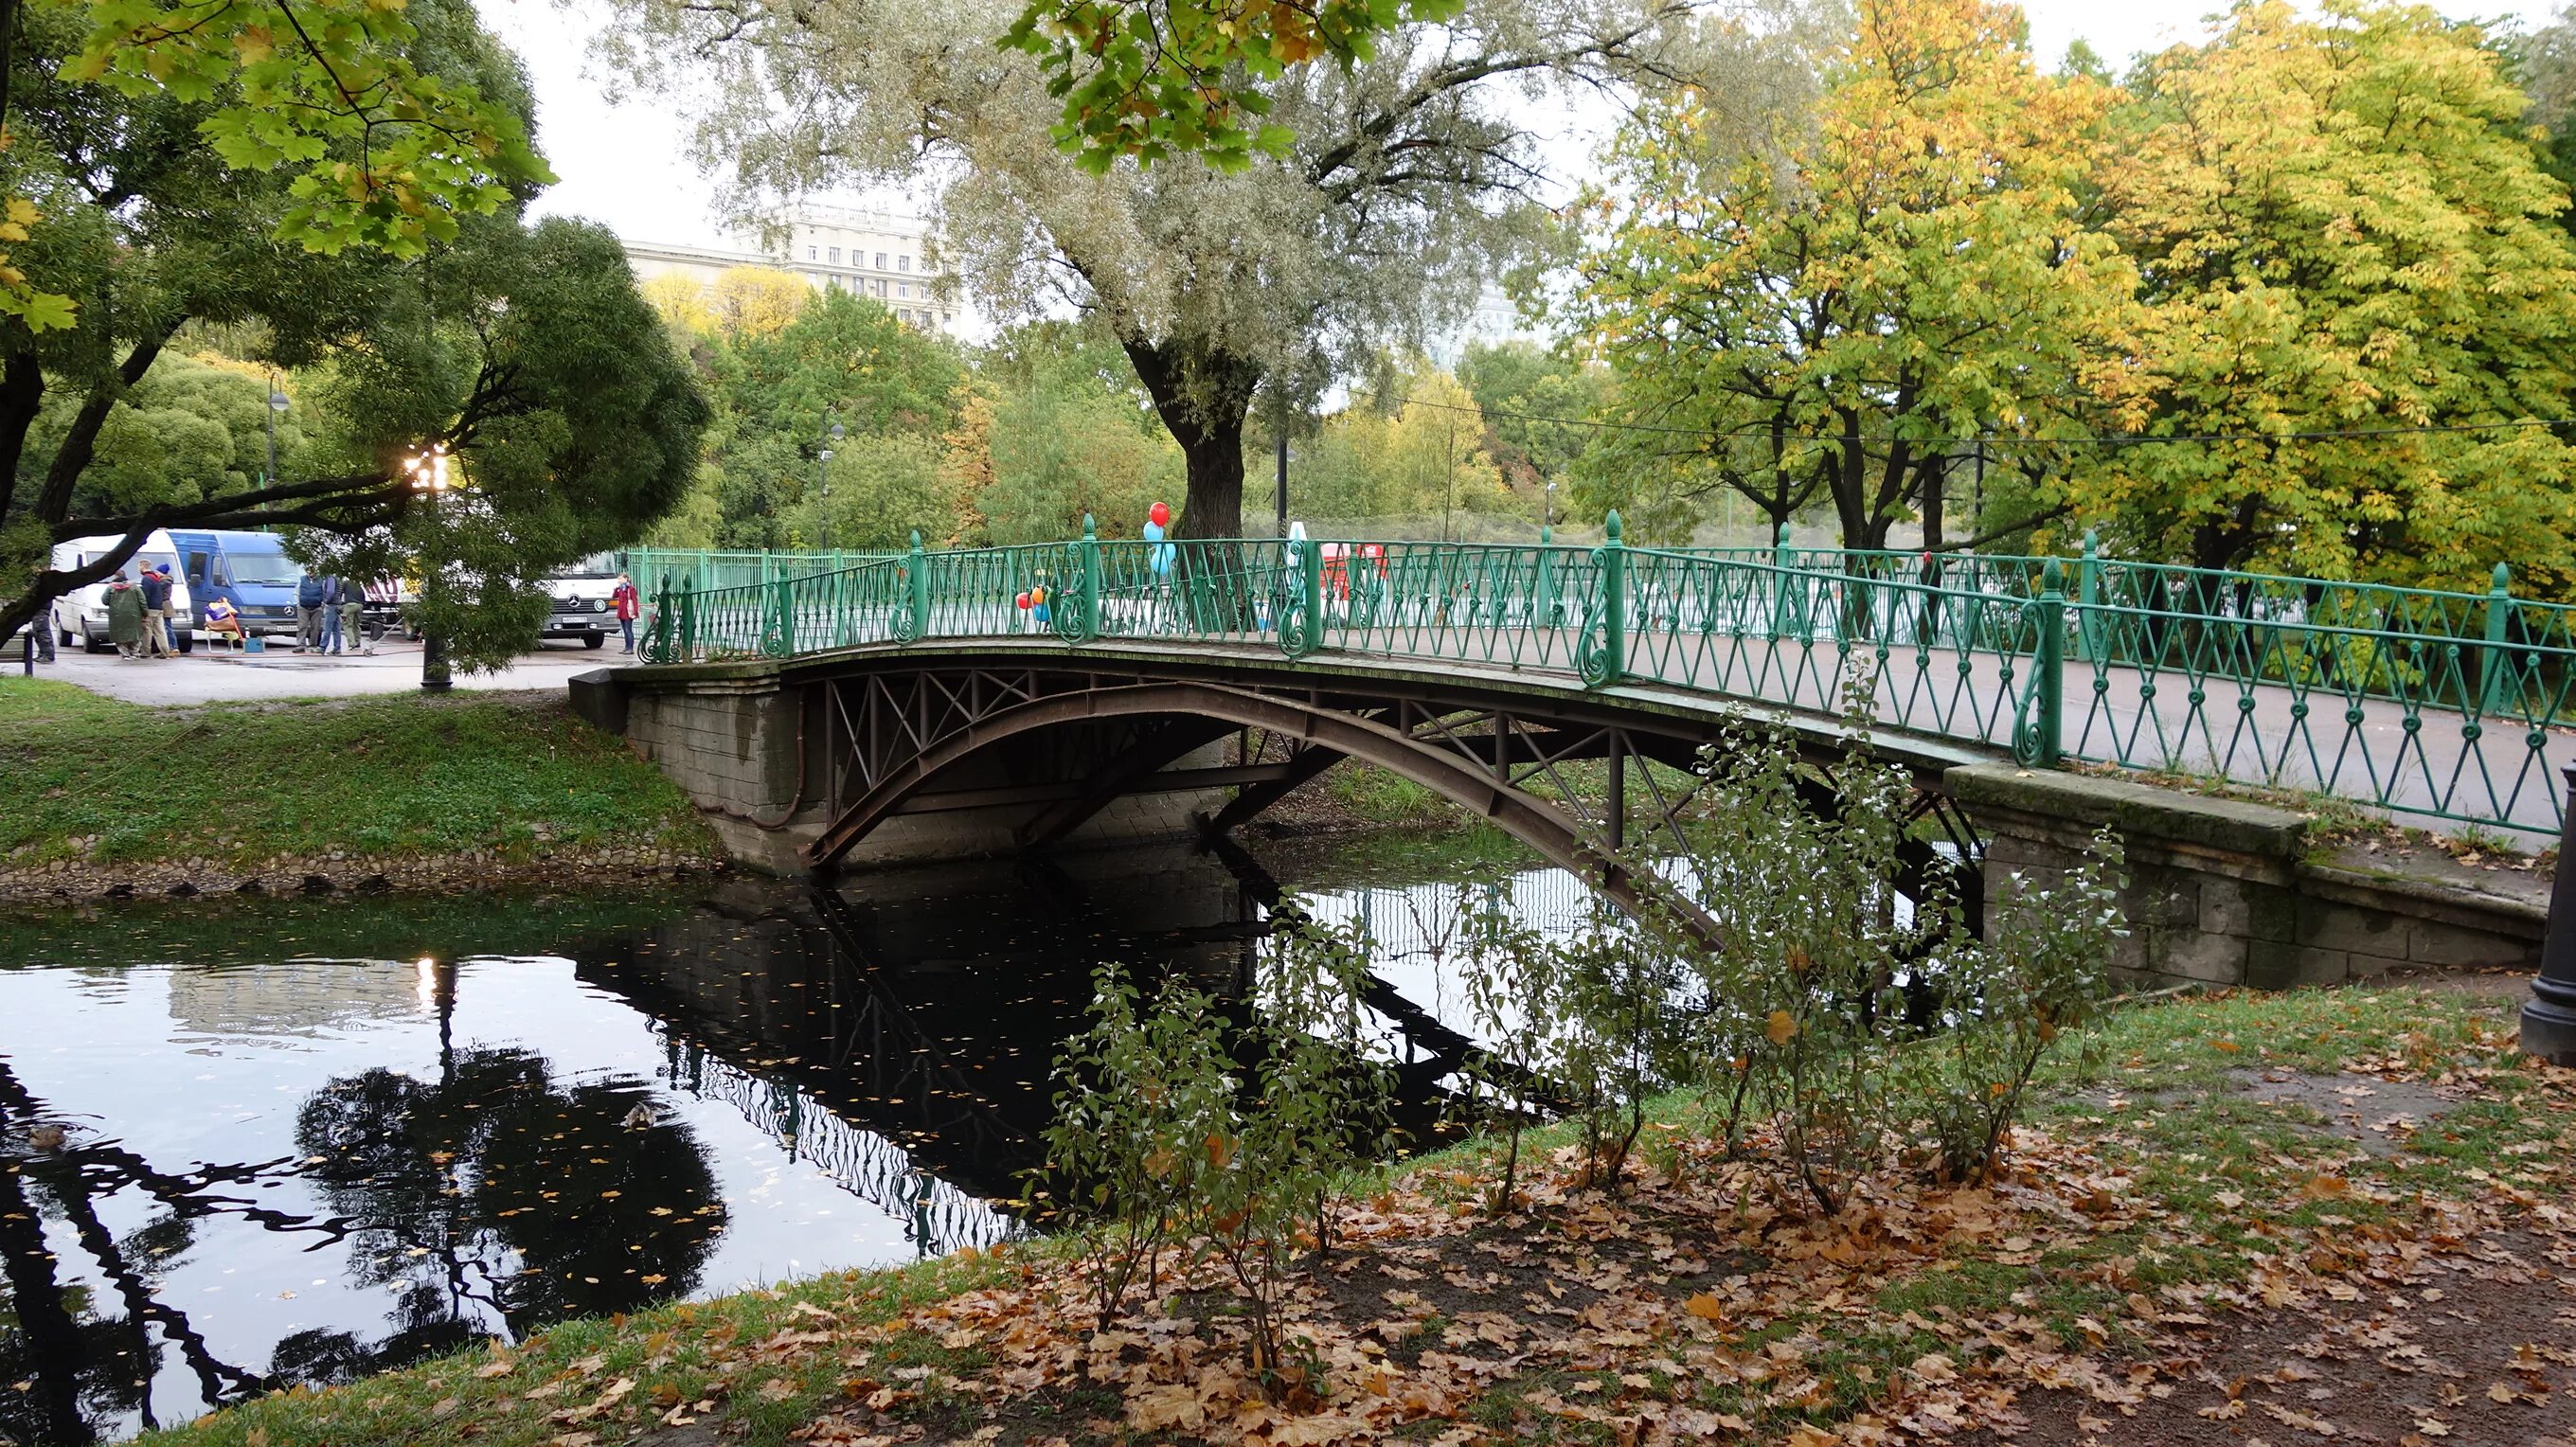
<point x="809" y="253"/>
<point x="880" y="286"/>
<point x="903" y="263"/>
<point x="880" y="261"/>
<point x="836" y="256"/>
<point x="947" y="317"/>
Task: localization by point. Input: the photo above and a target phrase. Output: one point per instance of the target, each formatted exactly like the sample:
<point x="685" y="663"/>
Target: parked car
<point x="81" y="614"/>
<point x="582" y="608"/>
<point x="249" y="570"/>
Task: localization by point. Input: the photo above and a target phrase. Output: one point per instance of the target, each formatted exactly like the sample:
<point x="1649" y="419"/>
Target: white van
<point x="81" y="614"/>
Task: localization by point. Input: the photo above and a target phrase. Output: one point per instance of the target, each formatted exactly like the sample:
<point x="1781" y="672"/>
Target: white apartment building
<point x="880" y="254"/>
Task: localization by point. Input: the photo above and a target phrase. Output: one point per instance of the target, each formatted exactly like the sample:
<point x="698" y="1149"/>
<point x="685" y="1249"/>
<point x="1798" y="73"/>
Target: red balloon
<point x="1160" y="514"/>
<point x="1022" y="600"/>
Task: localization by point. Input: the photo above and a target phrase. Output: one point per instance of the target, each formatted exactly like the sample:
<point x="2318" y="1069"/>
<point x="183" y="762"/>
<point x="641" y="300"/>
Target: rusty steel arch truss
<point x="894" y="733"/>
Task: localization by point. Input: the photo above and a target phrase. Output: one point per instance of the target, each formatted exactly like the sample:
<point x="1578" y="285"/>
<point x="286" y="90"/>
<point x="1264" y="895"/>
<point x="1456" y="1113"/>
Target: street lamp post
<point x="278" y="402"/>
<point x="428" y="472"/>
<point x="832" y="432"/>
<point x="2549" y="1016"/>
<point x="1547" y="514"/>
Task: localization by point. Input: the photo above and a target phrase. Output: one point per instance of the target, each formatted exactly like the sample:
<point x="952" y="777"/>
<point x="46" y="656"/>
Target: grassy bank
<point x="109" y="785"/>
<point x="2206" y="1185"/>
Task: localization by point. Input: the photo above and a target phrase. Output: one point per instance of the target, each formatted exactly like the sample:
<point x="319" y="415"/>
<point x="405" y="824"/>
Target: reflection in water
<point x="237" y="1171"/>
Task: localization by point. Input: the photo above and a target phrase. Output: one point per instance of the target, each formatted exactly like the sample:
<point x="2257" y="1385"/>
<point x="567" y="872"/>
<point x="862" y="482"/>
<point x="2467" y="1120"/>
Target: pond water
<point x="258" y="1143"/>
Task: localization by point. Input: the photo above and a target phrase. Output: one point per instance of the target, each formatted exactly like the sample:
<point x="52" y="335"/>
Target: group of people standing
<point x="331" y="615"/>
<point x="138" y="614"/>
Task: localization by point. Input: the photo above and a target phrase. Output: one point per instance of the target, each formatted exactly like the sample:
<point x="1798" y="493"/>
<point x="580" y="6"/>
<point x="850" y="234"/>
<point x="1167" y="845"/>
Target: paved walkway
<point x="207" y="677"/>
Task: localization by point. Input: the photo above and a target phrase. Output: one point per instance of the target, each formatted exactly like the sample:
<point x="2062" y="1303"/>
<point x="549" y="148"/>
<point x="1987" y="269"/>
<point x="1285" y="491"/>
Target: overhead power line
<point x="1999" y="440"/>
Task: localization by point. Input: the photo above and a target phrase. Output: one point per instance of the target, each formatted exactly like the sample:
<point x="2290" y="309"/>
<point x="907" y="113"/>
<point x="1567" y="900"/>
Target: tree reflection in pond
<point x="492" y="1200"/>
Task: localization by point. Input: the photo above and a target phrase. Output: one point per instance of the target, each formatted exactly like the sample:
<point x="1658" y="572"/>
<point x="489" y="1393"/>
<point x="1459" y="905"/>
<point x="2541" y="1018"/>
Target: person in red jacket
<point x="629" y="605"/>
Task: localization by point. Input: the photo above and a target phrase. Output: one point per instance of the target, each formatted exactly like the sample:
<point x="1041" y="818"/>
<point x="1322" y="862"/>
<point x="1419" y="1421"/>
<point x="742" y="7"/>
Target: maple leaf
<point x="1782" y="1027"/>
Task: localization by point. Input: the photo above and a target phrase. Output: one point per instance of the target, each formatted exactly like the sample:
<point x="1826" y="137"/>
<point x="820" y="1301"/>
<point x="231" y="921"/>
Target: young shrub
<point x="1511" y="1004"/>
<point x="1138" y="1097"/>
<point x="1618" y="1029"/>
<point x="1317" y="1108"/>
<point x="2043" y="969"/>
<point x="1802" y="981"/>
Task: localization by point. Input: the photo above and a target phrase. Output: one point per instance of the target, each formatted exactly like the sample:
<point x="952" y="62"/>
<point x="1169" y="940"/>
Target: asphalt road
<point x="208" y="677"/>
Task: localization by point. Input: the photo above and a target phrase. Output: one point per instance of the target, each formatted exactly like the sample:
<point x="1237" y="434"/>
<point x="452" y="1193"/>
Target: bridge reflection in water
<point x="899" y="1034"/>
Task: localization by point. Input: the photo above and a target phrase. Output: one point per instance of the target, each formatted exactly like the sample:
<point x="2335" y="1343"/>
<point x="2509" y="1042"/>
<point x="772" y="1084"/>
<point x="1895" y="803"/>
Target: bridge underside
<point x="1032" y="745"/>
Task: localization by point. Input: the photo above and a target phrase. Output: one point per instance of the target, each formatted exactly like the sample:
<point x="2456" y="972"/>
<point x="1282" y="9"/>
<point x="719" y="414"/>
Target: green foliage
<point x="781" y="365"/>
<point x="525" y="350"/>
<point x="1514" y="384"/>
<point x="1417" y="449"/>
<point x="384" y="152"/>
<point x="1846" y="1022"/>
<point x="1164" y="1139"/>
<point x="1147" y="79"/>
<point x="1144" y="1100"/>
<point x="1071" y="434"/>
<point x="1819" y="315"/>
<point x="2005" y="1002"/>
<point x="2342" y="225"/>
<point x="589" y="436"/>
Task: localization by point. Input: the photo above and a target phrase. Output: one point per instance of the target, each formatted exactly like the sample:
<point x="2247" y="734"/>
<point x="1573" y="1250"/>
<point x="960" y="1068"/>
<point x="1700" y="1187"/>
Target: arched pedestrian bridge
<point x="1010" y="698"/>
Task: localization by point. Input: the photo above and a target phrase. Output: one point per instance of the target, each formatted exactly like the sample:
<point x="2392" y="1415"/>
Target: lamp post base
<point x="2549" y="1022"/>
<point x="434" y="677"/>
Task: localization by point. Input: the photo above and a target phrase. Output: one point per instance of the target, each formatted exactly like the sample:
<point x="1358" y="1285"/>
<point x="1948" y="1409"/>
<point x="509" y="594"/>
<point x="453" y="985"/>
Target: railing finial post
<point x="2493" y="661"/>
<point x="2043" y="740"/>
<point x="1090" y="579"/>
<point x="1608" y="660"/>
<point x="2088" y="596"/>
<point x="918" y="570"/>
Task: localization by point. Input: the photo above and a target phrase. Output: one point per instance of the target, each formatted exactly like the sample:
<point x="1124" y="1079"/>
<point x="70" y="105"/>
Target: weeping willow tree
<point x="1413" y="177"/>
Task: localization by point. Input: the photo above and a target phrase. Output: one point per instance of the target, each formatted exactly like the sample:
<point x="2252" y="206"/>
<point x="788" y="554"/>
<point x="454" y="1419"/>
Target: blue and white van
<point x="80" y="616"/>
<point x="251" y="571"/>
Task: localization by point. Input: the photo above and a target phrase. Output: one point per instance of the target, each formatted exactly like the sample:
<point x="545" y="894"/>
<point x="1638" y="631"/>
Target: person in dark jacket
<point x="124" y="614"/>
<point x="308" y="613"/>
<point x="156" y="612"/>
<point x="332" y="592"/>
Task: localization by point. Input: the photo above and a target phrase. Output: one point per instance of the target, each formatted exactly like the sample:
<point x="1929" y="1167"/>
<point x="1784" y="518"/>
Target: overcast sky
<point x="622" y="164"/>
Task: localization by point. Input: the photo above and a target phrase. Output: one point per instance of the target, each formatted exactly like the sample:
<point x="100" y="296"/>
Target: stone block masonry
<point x="2226" y="892"/>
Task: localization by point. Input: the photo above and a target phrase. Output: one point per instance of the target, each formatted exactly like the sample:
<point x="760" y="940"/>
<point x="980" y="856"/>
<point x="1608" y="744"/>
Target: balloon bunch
<point x="1159" y="556"/>
<point x="1034" y="603"/>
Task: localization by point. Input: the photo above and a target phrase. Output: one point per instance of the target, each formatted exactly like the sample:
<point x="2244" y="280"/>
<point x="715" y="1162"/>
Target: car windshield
<point x="597" y="565"/>
<point x="156" y="560"/>
<point x="263" y="567"/>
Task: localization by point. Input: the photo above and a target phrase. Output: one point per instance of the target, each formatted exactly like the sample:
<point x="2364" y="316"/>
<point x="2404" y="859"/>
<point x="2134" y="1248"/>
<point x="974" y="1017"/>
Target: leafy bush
<point x="1165" y="1139"/>
<point x="1140" y="1097"/>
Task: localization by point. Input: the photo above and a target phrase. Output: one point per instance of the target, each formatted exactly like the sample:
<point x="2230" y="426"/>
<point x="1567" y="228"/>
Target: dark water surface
<point x="252" y="1144"/>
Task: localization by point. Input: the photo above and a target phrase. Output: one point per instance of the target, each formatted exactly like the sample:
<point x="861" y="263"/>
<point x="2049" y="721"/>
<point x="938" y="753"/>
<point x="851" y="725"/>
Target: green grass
<point x="385" y="778"/>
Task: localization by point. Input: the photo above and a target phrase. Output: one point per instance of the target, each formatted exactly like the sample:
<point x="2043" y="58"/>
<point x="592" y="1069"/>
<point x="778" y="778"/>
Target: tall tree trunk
<point x="1203" y="398"/>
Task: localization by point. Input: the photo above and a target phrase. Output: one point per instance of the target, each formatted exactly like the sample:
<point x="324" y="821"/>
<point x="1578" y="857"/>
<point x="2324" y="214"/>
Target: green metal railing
<point x="2440" y="705"/>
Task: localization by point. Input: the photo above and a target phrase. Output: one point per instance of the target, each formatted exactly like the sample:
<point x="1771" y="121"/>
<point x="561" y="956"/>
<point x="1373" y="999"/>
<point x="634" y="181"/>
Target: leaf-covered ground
<point x="2321" y="1217"/>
